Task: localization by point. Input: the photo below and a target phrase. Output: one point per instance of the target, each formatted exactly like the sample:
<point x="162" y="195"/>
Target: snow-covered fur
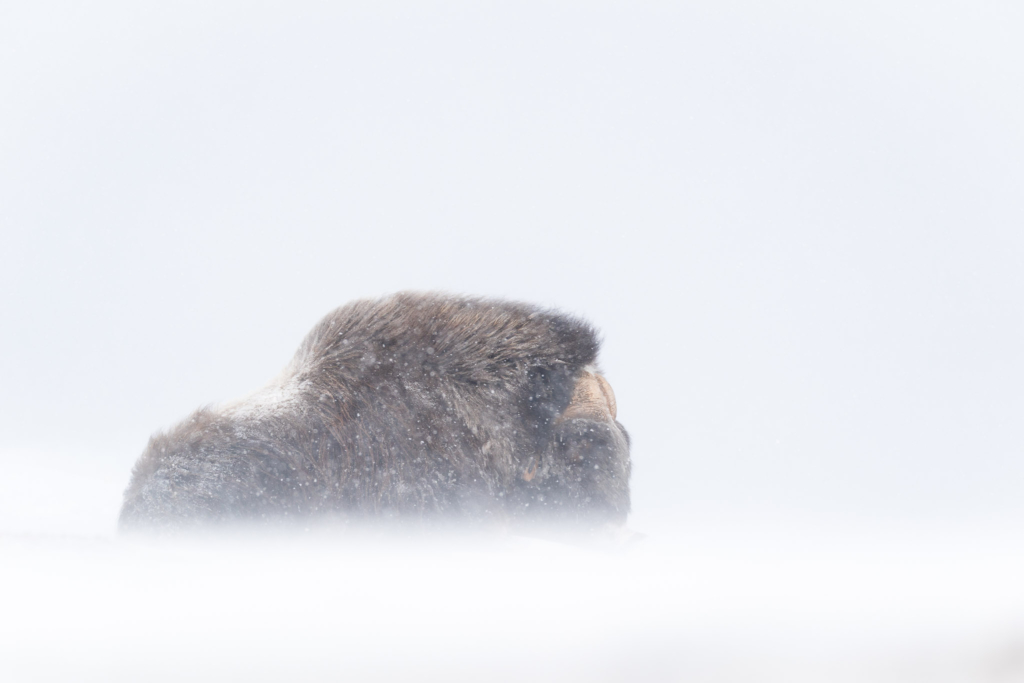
<point x="415" y="405"/>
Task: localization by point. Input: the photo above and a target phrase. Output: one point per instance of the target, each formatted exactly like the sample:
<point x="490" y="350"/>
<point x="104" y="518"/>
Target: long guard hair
<point x="414" y="405"/>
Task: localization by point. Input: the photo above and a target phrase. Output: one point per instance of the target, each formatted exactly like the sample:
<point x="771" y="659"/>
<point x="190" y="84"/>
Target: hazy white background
<point x="799" y="226"/>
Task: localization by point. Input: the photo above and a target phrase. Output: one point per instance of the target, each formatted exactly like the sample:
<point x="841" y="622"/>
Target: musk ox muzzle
<point x="411" y="406"/>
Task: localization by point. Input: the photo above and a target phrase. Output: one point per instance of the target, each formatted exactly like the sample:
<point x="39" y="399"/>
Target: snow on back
<point x="281" y="395"/>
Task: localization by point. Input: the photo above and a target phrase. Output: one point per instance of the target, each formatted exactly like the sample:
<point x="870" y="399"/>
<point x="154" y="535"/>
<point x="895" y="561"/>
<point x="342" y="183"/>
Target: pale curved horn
<point x="609" y="395"/>
<point x="592" y="399"/>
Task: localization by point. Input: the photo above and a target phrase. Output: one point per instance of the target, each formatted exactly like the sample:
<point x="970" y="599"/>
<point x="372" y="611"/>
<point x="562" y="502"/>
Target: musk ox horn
<point x="592" y="399"/>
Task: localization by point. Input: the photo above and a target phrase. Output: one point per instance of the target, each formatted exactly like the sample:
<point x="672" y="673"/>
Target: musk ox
<point x="411" y="406"/>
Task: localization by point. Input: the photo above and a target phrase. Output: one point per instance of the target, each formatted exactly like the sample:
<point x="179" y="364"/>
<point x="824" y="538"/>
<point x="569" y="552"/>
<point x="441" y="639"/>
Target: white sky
<point x="797" y="226"/>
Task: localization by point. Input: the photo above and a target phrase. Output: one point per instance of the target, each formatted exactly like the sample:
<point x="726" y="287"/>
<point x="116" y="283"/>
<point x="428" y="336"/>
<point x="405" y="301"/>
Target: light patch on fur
<point x="275" y="398"/>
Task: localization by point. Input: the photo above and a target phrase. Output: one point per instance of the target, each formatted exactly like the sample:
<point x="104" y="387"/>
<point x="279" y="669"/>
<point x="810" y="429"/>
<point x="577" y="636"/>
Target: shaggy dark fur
<point x="413" y="405"/>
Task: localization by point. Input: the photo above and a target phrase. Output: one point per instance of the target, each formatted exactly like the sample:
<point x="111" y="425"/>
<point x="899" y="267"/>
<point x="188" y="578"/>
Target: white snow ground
<point x="82" y="604"/>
